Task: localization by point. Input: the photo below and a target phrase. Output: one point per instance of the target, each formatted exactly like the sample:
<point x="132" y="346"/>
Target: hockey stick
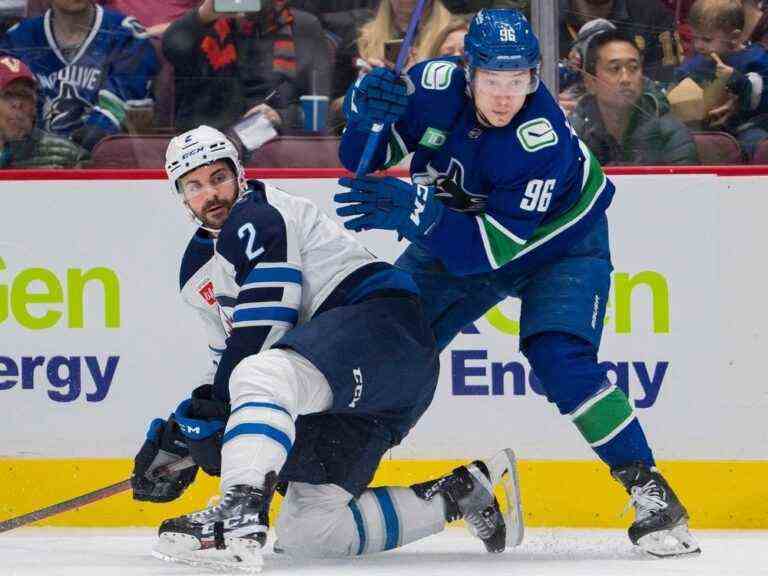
<point x="377" y="130"/>
<point x="88" y="498"/>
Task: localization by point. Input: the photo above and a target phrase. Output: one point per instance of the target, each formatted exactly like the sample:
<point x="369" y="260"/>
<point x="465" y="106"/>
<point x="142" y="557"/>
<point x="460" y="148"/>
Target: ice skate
<point x="661" y="521"/>
<point x="229" y="535"/>
<point x="468" y="493"/>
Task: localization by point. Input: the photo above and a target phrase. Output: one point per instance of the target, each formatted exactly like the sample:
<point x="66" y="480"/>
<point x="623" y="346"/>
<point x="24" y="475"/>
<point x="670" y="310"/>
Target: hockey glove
<point x="164" y="445"/>
<point x="202" y="420"/>
<point x="376" y="98"/>
<point x="389" y="204"/>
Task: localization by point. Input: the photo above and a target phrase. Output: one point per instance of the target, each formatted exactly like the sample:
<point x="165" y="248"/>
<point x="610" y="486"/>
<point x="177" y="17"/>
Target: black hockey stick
<point x="88" y="498"/>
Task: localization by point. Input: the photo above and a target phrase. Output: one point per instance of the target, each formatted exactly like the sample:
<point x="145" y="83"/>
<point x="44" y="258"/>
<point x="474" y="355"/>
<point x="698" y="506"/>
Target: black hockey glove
<point x="164" y="445"/>
<point x="202" y="420"/>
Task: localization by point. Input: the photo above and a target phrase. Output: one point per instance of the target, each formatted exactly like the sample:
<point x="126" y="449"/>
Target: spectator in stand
<point x="624" y="118"/>
<point x="154" y="15"/>
<point x="21" y="144"/>
<point x="723" y="60"/>
<point x="648" y="22"/>
<point x="571" y="71"/>
<point x="390" y="23"/>
<point x="450" y="41"/>
<point x="93" y="66"/>
<point x="261" y="62"/>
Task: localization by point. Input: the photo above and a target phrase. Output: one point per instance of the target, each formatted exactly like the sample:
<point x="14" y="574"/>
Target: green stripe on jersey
<point x="501" y="245"/>
<point x="396" y="149"/>
<point x="601" y="418"/>
<point x="113" y="105"/>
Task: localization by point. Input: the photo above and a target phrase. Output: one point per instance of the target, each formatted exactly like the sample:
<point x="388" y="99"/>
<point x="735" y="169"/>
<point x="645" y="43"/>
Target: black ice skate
<point x="468" y="493"/>
<point x="228" y="535"/>
<point x="661" y="522"/>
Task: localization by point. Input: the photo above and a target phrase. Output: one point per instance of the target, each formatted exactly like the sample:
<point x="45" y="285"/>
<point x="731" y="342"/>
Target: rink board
<point x="94" y="342"/>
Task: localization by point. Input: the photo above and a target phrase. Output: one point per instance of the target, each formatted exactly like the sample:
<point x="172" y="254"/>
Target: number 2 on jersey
<point x="248" y="229"/>
<point x="537" y="195"/>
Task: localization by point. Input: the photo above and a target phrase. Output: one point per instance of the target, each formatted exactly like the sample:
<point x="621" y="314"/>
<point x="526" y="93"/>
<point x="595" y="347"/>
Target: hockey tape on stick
<point x="377" y="130"/>
<point x="88" y="498"/>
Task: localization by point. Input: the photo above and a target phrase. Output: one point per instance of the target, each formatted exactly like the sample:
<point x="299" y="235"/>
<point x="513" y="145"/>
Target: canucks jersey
<point x="278" y="262"/>
<point x="112" y="70"/>
<point x="531" y="186"/>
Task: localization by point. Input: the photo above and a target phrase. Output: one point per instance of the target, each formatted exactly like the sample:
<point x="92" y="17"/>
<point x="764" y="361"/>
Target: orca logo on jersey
<point x="437" y="75"/>
<point x="67" y="111"/>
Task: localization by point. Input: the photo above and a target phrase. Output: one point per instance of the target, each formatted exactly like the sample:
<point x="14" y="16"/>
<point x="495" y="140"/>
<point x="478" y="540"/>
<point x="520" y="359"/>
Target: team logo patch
<point x="206" y="291"/>
<point x="537" y="134"/>
<point x="437" y="75"/>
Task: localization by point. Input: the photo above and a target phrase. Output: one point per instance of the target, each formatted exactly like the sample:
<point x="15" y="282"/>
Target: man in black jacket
<point x="264" y="61"/>
<point x="624" y="118"/>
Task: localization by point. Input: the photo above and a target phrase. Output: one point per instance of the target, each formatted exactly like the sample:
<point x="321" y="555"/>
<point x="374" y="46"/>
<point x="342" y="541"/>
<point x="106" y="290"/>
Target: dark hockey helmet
<point x="502" y="39"/>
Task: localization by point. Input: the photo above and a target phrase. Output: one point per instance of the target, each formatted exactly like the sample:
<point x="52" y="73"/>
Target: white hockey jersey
<point x="277" y="262"/>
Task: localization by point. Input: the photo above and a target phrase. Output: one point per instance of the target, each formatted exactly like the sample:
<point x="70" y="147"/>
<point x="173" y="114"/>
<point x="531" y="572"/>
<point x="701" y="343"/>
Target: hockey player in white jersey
<point x="324" y="361"/>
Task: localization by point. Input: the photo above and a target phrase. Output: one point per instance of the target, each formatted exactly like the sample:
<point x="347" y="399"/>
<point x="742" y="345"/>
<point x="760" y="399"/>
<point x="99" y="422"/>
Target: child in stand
<point x="742" y="69"/>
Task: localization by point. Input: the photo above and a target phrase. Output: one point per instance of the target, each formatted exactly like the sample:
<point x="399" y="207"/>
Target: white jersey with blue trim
<point x="278" y="261"/>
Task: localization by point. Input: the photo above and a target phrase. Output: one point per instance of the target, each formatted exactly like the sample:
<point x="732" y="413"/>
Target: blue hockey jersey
<point x="533" y="185"/>
<point x="112" y="70"/>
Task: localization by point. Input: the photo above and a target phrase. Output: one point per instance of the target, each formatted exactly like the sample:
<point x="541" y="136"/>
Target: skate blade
<point x="503" y="470"/>
<point x="673" y="543"/>
<point x="240" y="555"/>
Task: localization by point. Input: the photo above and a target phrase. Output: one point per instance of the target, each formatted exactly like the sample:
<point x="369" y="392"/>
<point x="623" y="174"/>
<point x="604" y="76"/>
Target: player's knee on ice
<point x="316" y="521"/>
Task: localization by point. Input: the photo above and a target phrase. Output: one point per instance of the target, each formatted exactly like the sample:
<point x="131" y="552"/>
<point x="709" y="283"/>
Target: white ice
<point x="545" y="552"/>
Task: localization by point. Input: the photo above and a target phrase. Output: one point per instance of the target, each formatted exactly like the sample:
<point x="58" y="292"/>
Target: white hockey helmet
<point x="198" y="147"/>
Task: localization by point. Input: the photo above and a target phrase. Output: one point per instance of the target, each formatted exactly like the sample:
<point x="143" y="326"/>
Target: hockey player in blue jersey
<point x="505" y="201"/>
<point x="91" y="65"/>
<point x="325" y="358"/>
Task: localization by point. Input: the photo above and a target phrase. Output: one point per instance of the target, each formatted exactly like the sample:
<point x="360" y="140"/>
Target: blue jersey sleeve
<point x="437" y="98"/>
<point x="254" y="242"/>
<point x="133" y="64"/>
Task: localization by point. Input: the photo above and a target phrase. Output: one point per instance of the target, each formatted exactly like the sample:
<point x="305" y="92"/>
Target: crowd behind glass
<point x="106" y="83"/>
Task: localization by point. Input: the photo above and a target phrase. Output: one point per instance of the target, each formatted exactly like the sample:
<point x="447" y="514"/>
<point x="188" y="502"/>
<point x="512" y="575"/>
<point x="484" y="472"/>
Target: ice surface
<point x="545" y="552"/>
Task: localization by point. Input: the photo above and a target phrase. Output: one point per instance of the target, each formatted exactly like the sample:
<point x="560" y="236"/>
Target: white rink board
<point x="701" y="236"/>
